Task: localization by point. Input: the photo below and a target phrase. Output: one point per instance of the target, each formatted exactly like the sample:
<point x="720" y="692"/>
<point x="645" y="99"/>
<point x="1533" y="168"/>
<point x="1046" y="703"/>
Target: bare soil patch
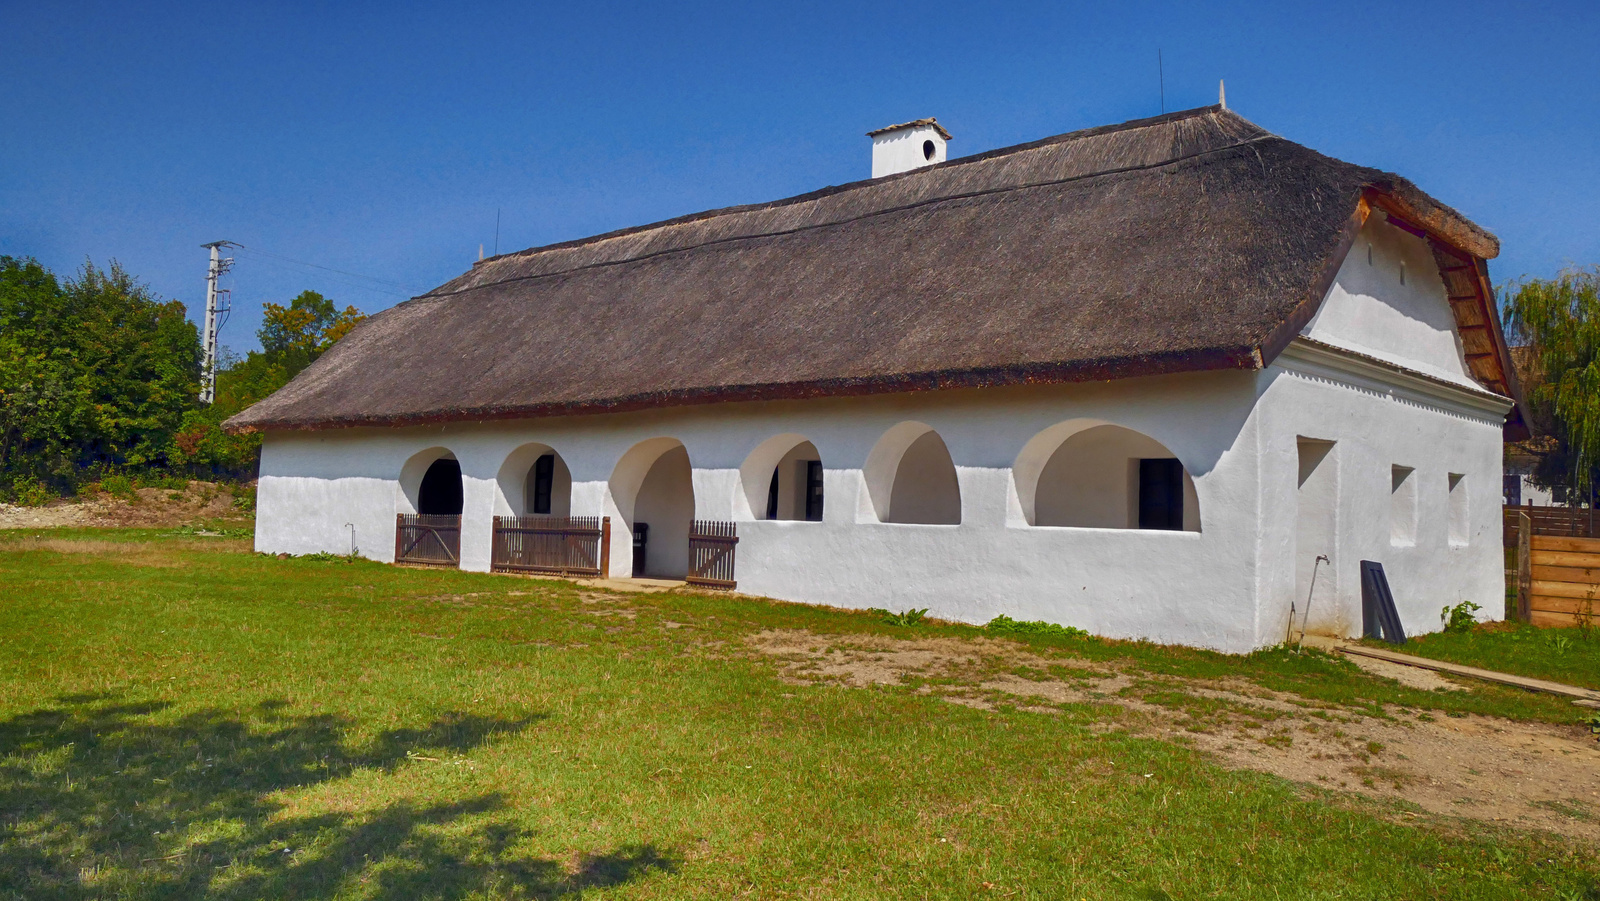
<point x="1528" y="775"/>
<point x="149" y="508"/>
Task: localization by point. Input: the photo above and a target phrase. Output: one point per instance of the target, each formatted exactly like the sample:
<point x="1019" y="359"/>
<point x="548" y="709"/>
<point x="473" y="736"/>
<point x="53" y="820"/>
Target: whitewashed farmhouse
<point x="1159" y="379"/>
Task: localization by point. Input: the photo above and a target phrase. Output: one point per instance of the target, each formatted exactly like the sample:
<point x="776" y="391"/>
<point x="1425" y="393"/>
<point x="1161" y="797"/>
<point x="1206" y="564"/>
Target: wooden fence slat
<point x="1565" y="558"/>
<point x="1544" y="618"/>
<point x="1566" y="589"/>
<point x="1550" y="603"/>
<point x="1590" y="574"/>
<point x="1565" y="543"/>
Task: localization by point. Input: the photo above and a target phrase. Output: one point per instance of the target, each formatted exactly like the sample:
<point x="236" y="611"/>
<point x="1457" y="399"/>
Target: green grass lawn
<point x="1569" y="655"/>
<point x="180" y="718"/>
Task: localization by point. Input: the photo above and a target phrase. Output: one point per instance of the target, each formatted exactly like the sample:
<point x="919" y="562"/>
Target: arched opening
<point x="430" y="483"/>
<point x="1104" y="476"/>
<point x="653" y="487"/>
<point x="440" y="492"/>
<point x="911" y="478"/>
<point x="535" y="481"/>
<point x="782" y="479"/>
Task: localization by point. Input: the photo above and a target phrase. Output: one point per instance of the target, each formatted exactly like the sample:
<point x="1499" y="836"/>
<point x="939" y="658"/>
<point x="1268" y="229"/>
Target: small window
<point x="1459" y="529"/>
<point x="1161" y="494"/>
<point x="1402" y="506"/>
<point x="544" y="478"/>
<point x="814" y="491"/>
<point x="928" y="150"/>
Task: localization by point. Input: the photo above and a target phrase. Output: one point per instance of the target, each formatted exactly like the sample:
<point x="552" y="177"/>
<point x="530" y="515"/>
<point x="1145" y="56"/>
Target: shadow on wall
<point x="107" y="799"/>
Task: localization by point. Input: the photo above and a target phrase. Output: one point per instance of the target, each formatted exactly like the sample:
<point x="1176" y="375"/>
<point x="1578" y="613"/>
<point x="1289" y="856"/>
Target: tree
<point x="1559" y="319"/>
<point x="95" y="373"/>
<point x="292" y="338"/>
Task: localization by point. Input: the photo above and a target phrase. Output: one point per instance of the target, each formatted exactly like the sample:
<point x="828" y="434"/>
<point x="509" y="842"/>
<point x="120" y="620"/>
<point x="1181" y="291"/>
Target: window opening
<point x="1402" y="506"/>
<point x="772" y="495"/>
<point x="544" y="477"/>
<point x="814" y="491"/>
<point x="1458" y="509"/>
<point x="1161" y="494"/>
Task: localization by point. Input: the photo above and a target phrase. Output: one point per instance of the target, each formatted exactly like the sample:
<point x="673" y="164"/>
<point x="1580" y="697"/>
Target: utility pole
<point x="216" y="312"/>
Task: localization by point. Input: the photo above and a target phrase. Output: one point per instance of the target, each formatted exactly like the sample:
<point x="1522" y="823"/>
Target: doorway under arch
<point x="653" y="488"/>
<point x="431" y="483"/>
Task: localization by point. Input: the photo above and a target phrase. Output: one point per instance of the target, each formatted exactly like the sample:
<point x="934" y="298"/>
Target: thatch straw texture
<point x="1191" y="241"/>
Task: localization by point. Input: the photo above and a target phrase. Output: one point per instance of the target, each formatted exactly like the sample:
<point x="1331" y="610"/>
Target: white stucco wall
<point x="1389" y="301"/>
<point x="1375" y="422"/>
<point x="992" y="562"/>
<point x="902" y="150"/>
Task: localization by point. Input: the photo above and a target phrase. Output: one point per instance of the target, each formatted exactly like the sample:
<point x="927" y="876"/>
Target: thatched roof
<point x="1191" y="241"/>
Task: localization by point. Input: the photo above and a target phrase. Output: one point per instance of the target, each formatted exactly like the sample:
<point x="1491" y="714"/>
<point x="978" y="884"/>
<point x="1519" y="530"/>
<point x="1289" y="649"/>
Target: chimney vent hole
<point x="927" y="150"/>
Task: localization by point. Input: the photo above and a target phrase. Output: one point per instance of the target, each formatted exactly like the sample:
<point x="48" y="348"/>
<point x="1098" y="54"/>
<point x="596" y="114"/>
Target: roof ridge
<point x="943" y="198"/>
<point x="832" y="190"/>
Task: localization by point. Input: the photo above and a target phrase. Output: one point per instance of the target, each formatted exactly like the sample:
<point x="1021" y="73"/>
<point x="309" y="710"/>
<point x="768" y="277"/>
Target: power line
<point x="411" y="289"/>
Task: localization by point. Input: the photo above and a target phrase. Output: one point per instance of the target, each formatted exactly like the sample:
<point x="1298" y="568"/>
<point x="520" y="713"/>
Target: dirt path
<point x="1530" y="775"/>
<point x="149" y="507"/>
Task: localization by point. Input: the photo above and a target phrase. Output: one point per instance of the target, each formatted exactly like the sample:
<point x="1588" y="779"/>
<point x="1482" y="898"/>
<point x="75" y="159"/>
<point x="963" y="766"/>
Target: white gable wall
<point x="1370" y="309"/>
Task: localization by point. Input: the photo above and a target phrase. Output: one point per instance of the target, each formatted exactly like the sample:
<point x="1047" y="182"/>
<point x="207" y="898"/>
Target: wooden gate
<point x="430" y="538"/>
<point x="1565" y="585"/>
<point x="556" y="545"/>
<point x="711" y="549"/>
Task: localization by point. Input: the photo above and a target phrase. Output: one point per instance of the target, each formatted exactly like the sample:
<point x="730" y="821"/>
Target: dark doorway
<point x="814" y="491"/>
<point x="440" y="492"/>
<point x="544" y="477"/>
<point x="1160" y="494"/>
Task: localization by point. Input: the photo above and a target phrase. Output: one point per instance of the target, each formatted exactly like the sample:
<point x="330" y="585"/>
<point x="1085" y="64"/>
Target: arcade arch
<point x="911" y="479"/>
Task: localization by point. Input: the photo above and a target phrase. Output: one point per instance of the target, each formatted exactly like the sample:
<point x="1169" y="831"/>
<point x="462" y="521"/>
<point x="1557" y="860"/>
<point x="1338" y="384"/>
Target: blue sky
<point x="381" y="139"/>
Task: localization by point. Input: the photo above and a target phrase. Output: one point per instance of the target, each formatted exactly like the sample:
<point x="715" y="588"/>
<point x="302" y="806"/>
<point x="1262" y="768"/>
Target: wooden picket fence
<point x="554" y="545"/>
<point x="431" y="539"/>
<point x="711" y="554"/>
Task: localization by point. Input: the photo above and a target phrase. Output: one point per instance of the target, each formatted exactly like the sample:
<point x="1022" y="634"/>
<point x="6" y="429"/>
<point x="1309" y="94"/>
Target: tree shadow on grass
<point x="100" y="798"/>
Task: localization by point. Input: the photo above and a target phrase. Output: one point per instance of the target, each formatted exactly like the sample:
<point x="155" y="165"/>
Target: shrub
<point x="1459" y="618"/>
<point x="244" y="497"/>
<point x="1008" y="626"/>
<point x="908" y="618"/>
<point x="30" y="493"/>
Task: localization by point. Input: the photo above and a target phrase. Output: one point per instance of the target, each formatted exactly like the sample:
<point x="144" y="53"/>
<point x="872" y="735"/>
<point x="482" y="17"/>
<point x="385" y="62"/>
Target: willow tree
<point x="1559" y="319"/>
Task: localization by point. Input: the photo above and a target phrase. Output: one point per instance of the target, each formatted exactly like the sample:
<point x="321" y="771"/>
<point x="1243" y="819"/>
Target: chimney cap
<point x="912" y="124"/>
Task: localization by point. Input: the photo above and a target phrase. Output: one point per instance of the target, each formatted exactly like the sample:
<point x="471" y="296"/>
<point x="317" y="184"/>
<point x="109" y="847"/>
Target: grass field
<point x="180" y="718"/>
<point x="1570" y="655"/>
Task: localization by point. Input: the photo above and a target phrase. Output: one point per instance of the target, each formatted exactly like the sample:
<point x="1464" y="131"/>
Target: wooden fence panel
<point x="1576" y="522"/>
<point x="427" y="538"/>
<point x="552" y="545"/>
<point x="1566" y="580"/>
<point x="711" y="554"/>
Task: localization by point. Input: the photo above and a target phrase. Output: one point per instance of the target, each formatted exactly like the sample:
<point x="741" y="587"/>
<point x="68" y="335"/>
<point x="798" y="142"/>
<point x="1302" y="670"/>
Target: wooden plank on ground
<point x="1559" y="543"/>
<point x="1456" y="669"/>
